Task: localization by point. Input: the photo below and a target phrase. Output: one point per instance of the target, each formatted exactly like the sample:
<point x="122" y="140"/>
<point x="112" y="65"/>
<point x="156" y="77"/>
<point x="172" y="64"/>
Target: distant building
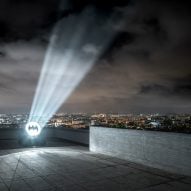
<point x="154" y="124"/>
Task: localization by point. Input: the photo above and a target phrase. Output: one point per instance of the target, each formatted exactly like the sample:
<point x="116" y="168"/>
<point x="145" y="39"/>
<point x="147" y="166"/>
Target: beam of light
<point x="76" y="44"/>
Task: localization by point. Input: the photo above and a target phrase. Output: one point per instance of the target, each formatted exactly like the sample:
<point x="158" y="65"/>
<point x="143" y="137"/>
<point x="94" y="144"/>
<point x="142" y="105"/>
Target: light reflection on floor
<point x="73" y="167"/>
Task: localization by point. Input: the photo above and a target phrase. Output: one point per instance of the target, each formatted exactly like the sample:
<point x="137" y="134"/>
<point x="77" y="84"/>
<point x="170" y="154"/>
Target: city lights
<point x="76" y="44"/>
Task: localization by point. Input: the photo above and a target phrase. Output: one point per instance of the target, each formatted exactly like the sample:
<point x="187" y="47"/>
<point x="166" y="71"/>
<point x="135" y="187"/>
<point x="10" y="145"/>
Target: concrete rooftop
<point x="70" y="167"/>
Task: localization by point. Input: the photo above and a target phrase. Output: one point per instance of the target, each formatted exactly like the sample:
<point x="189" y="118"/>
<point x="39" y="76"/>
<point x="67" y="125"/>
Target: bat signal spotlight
<point x="33" y="129"/>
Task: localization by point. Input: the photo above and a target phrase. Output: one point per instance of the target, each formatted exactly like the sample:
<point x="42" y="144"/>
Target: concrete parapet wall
<point x="9" y="133"/>
<point x="75" y="135"/>
<point x="167" y="151"/>
<point x="78" y="136"/>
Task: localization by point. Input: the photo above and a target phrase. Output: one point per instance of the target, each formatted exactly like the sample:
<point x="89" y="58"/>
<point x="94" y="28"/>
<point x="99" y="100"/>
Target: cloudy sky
<point x="146" y="68"/>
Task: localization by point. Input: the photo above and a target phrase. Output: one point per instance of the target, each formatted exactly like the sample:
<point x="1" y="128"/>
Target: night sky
<point x="146" y="68"/>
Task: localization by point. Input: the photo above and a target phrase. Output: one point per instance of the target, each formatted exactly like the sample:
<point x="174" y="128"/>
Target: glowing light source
<point x="33" y="129"/>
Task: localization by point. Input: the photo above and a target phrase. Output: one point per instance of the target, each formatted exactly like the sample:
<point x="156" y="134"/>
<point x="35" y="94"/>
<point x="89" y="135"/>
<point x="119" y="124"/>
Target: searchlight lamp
<point x="33" y="129"/>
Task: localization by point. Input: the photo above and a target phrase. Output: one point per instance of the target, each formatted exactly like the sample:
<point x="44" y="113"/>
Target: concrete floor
<point x="70" y="167"/>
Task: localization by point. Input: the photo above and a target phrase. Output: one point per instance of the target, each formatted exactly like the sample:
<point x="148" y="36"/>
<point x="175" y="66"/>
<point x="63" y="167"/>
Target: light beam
<point x="76" y="44"/>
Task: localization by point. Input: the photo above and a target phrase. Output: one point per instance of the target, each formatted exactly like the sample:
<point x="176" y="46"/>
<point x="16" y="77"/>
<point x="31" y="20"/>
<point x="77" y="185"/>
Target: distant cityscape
<point x="157" y="122"/>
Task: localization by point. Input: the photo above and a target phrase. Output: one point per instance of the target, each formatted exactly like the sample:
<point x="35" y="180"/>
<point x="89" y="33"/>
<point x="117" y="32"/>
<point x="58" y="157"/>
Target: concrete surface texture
<point x="167" y="151"/>
<point x="72" y="167"/>
<point x="75" y="135"/>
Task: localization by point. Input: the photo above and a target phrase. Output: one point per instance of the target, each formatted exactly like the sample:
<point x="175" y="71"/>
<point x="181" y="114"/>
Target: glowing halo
<point x="33" y="129"/>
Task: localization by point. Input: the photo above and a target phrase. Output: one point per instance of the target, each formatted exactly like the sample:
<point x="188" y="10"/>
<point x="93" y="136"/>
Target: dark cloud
<point x="99" y="4"/>
<point x="122" y="38"/>
<point x="149" y="61"/>
<point x="146" y="68"/>
<point x="177" y="87"/>
<point x="26" y="19"/>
